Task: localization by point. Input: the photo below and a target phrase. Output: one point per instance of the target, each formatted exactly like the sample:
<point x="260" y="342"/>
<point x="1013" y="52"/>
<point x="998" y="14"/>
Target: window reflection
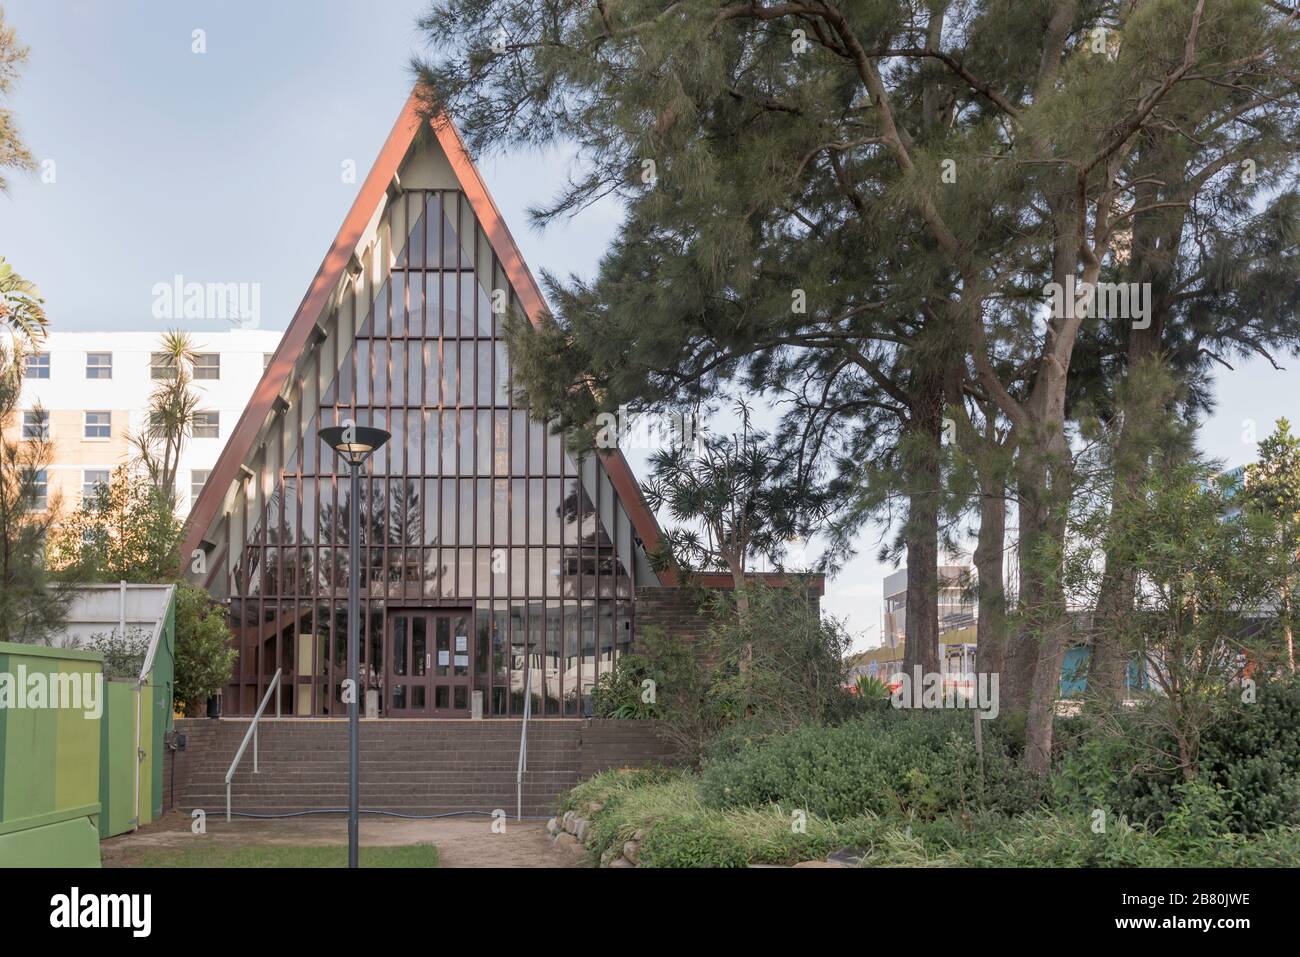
<point x="471" y="506"/>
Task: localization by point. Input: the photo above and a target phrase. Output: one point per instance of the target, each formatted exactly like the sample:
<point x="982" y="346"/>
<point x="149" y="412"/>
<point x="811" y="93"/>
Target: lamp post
<point x="354" y="444"/>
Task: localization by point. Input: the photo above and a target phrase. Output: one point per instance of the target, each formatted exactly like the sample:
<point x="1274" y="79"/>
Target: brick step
<point x="433" y="780"/>
<point x="413" y="724"/>
<point x="317" y="746"/>
<point x="462" y="786"/>
<point x="422" y="810"/>
<point x="428" y="779"/>
<point x="216" y="772"/>
<point x="388" y="755"/>
<point x="294" y="767"/>
<point x="470" y="802"/>
<point x="451" y="742"/>
<point x="490" y="799"/>
<point x="420" y="767"/>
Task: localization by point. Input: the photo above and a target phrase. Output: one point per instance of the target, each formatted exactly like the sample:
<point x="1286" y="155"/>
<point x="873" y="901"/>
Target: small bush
<point x="1250" y="756"/>
<point x="896" y="763"/>
<point x="204" y="658"/>
<point x="680" y="830"/>
<point x="621" y="693"/>
<point x="1254" y="756"/>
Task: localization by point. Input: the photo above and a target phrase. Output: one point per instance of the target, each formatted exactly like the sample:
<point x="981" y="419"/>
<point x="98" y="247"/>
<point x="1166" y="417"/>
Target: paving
<point x="461" y="841"/>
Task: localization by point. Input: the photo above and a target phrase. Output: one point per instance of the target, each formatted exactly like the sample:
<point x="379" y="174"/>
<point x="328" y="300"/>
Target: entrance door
<point x="453" y="664"/>
<point x="430" y="664"/>
<point x="409" y="659"/>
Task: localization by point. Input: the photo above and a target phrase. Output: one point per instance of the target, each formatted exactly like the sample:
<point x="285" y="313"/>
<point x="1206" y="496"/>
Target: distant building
<point x="957" y="617"/>
<point x="88" y="391"/>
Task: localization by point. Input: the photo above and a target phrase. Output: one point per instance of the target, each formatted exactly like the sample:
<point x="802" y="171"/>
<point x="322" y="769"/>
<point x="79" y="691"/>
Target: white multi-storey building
<point x="89" y="391"/>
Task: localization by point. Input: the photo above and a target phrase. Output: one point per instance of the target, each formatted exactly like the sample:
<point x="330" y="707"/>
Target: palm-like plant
<point x="170" y="422"/>
<point x="21" y="305"/>
<point x="735" y="497"/>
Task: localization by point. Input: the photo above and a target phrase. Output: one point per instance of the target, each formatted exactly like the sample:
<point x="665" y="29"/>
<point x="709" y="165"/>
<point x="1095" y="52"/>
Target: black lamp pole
<point x="354" y="444"/>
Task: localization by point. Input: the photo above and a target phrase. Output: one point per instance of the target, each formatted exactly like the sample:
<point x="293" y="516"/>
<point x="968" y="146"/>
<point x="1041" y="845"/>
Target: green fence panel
<point x="118" y="760"/>
<point x="51" y="713"/>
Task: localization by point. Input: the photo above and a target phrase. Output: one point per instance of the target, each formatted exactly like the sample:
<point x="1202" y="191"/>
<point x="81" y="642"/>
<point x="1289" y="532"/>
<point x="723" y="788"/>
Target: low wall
<point x="179" y="764"/>
<point x="607" y="743"/>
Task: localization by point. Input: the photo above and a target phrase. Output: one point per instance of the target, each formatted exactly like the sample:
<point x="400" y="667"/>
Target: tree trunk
<point x="1148" y="263"/>
<point x="1044" y="627"/>
<point x="1286" y="623"/>
<point x="736" y="565"/>
<point x="922" y="625"/>
<point x="1041" y="638"/>
<point x="990" y="627"/>
<point x="922" y="462"/>
<point x="1020" y="651"/>
<point x="1108" y="665"/>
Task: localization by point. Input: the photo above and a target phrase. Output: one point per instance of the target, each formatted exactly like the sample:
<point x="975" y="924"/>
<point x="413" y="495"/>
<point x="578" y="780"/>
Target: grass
<point x="211" y="854"/>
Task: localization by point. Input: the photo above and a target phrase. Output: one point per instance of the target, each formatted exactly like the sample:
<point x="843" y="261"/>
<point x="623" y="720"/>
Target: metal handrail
<point x="523" y="738"/>
<point x="274" y="686"/>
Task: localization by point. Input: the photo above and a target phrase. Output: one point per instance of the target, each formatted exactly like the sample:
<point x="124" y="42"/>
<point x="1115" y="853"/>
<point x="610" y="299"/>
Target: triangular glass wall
<point x="491" y="561"/>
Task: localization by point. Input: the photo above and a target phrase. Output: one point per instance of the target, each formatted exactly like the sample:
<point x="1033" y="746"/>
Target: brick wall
<point x="177" y="765"/>
<point x="622" y="744"/>
<point x="676" y="610"/>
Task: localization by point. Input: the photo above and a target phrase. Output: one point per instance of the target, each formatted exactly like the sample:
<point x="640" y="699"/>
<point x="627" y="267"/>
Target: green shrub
<point x="204" y="658"/>
<point x="621" y="693"/>
<point x="781" y="659"/>
<point x="915" y="764"/>
<point x="1254" y="756"/>
<point x="741" y="736"/>
<point x="679" y="830"/>
<point x="1250" y="756"/>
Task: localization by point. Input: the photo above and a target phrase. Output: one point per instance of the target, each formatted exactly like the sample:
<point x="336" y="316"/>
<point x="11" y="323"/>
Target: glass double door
<point x="430" y="664"/>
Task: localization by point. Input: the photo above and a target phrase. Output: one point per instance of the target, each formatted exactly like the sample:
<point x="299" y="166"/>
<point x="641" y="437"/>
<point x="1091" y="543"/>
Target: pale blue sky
<point x="225" y="167"/>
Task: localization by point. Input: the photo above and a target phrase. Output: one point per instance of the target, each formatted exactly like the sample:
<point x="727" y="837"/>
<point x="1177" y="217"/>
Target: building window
<point x="37" y="366"/>
<point x="40" y="487"/>
<point x="99" y="425"/>
<point x="162" y="365"/>
<point x="207" y="425"/>
<point x="197" y="478"/>
<point x="207" y="365"/>
<point x="36" y="424"/>
<point x="99" y="365"/>
<point x="92" y="480"/>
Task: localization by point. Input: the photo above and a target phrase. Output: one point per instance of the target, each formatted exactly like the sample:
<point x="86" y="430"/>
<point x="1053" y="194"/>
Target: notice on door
<point x="462" y="642"/>
<point x="462" y="661"/>
<point x="444" y="658"/>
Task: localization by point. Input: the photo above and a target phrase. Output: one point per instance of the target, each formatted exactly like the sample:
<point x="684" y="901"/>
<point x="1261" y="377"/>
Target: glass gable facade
<point x="494" y="564"/>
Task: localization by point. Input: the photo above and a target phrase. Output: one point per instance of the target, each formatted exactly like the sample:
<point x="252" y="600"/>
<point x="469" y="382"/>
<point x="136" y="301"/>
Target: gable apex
<point x="354" y="262"/>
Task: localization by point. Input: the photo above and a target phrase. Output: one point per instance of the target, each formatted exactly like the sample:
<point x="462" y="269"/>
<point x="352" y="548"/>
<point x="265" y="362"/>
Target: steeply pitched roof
<point x="298" y="336"/>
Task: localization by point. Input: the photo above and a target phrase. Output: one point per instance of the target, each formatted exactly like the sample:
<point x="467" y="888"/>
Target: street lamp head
<point x="355" y="443"/>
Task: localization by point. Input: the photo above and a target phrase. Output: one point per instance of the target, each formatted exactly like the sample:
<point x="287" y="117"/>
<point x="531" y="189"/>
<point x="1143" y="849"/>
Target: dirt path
<point x="461" y="841"/>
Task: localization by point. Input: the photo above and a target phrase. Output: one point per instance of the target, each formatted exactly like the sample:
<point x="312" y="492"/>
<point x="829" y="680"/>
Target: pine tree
<point x="899" y="187"/>
<point x="31" y="606"/>
<point x="13" y="153"/>
<point x="1272" y="488"/>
